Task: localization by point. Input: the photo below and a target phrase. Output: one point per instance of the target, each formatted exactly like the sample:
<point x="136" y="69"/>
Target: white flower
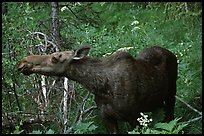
<point x="135" y="22"/>
<point x="145" y="116"/>
<point x="144" y="119"/>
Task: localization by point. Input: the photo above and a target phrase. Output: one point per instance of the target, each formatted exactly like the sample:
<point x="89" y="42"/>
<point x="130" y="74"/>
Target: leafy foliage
<point x="84" y="128"/>
<point x="50" y="131"/>
<point x="107" y="27"/>
<point x="161" y="128"/>
<point x="17" y="129"/>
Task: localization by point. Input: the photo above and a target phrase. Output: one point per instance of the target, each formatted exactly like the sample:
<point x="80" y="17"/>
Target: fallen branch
<point x="189" y="121"/>
<point x="189" y="105"/>
<point x="194" y="119"/>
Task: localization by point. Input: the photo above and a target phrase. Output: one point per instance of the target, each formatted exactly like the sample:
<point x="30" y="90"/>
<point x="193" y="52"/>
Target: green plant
<point x="50" y="131"/>
<point x="84" y="128"/>
<point x="17" y="128"/>
<point x="161" y="128"/>
<point x="107" y="27"/>
<point x="170" y="128"/>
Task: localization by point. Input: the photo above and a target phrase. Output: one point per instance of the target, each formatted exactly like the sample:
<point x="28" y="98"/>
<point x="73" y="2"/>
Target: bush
<point x="159" y="128"/>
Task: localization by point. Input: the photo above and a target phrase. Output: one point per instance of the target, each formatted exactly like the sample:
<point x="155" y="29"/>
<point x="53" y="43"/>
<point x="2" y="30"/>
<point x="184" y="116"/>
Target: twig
<point x="89" y="109"/>
<point x="73" y="12"/>
<point x="192" y="120"/>
<point x="45" y="40"/>
<point x="81" y="109"/>
<point x="7" y="53"/>
<point x="188" y="105"/>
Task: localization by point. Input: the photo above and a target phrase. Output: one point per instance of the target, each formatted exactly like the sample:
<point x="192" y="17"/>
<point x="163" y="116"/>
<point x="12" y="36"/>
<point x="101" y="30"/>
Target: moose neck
<point x="89" y="73"/>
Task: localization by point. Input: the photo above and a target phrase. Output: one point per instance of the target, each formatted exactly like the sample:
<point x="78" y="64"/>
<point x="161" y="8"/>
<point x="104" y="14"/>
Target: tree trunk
<point x="55" y="24"/>
<point x="56" y="37"/>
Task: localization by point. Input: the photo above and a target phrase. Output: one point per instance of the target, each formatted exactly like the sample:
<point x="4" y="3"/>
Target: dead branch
<point x="200" y="113"/>
<point x="189" y="121"/>
<point x="89" y="109"/>
<point x="47" y="43"/>
<point x="192" y="108"/>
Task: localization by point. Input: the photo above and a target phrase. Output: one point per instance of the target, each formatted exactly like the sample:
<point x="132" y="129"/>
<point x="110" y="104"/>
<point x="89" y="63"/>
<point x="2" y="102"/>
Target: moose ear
<point x="81" y="52"/>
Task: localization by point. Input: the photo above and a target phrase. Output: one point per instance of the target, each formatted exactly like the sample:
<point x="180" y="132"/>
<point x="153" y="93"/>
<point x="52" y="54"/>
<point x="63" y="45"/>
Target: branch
<point x="81" y="109"/>
<point x="73" y="12"/>
<point x="192" y="120"/>
<point x="45" y="40"/>
<point x="89" y="109"/>
<point x="188" y="105"/>
<point x="7" y="53"/>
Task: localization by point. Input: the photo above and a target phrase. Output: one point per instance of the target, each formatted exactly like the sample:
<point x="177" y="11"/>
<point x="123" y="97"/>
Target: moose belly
<point x="134" y="104"/>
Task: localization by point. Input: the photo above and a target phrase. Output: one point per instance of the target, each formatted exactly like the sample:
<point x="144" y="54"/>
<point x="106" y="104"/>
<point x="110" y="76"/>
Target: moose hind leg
<point x="170" y="102"/>
<point x="169" y="109"/>
<point x="172" y="70"/>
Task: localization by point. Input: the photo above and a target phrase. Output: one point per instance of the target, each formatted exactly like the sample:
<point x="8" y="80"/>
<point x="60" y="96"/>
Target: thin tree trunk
<point x="65" y="99"/>
<point x="56" y="37"/>
<point x="44" y="91"/>
<point x="55" y="24"/>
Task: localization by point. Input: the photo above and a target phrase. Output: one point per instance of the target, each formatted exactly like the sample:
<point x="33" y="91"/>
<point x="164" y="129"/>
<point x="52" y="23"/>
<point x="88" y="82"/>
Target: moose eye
<point x="54" y="60"/>
<point x="60" y="55"/>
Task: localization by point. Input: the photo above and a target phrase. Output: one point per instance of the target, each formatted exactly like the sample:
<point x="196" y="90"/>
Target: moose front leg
<point x="133" y="122"/>
<point x="111" y="125"/>
<point x="107" y="114"/>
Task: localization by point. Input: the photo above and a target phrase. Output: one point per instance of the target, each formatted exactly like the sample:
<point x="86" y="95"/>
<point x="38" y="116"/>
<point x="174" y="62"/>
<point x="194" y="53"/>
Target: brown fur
<point x="123" y="86"/>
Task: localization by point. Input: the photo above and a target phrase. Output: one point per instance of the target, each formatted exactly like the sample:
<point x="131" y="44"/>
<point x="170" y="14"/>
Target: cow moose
<point x="123" y="85"/>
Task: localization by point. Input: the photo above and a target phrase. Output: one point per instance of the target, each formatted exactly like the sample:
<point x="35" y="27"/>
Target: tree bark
<point x="56" y="37"/>
<point x="55" y="24"/>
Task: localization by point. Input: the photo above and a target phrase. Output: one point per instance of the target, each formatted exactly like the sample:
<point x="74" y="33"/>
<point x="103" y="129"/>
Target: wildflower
<point x="144" y="119"/>
<point x="135" y="22"/>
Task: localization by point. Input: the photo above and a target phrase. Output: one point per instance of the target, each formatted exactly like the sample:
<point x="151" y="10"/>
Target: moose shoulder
<point x="123" y="86"/>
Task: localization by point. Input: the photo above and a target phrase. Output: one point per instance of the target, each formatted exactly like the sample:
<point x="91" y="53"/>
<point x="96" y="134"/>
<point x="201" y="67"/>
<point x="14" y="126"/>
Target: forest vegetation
<point x="37" y="104"/>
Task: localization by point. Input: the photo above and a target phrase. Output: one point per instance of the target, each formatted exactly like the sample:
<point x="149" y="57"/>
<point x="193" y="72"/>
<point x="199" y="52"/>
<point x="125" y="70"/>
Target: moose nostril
<point x="24" y="67"/>
<point x="60" y="55"/>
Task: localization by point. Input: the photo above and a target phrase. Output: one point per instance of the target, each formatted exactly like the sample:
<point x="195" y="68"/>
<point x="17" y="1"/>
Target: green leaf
<point x="147" y="131"/>
<point x="167" y="126"/>
<point x="134" y="132"/>
<point x="17" y="131"/>
<point x="92" y="127"/>
<point x="50" y="131"/>
<point x="179" y="128"/>
<point x="83" y="128"/>
<point x="164" y="126"/>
